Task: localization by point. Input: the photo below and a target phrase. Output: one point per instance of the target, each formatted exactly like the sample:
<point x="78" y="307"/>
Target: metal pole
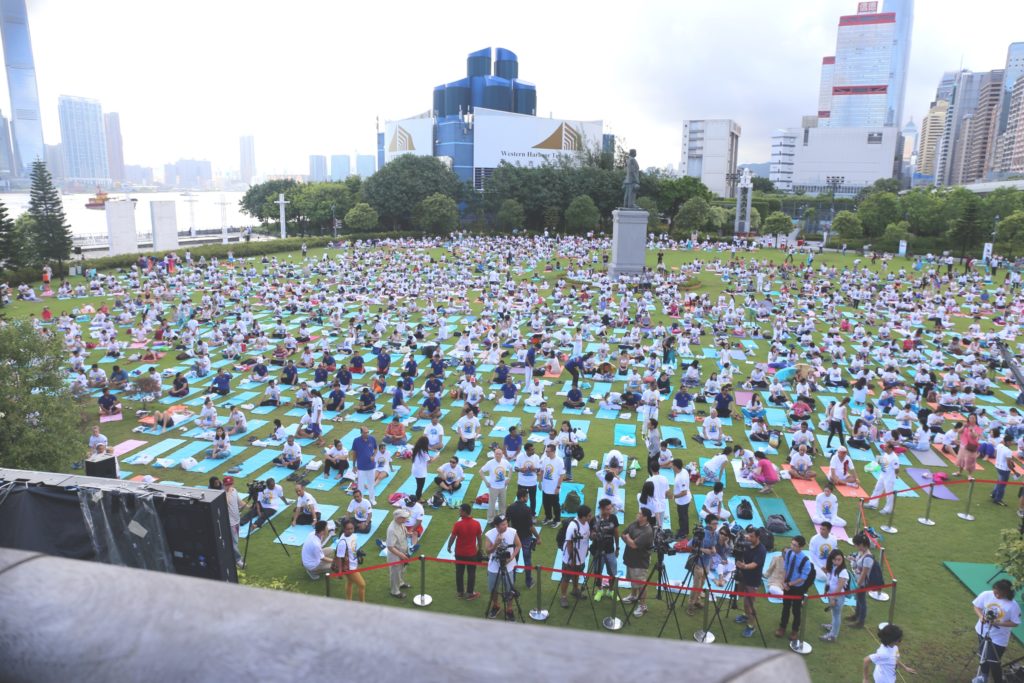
<point x="927" y="519"/>
<point x="613" y="623"/>
<point x="422" y="600"/>
<point x="860" y="515"/>
<point x="704" y="636"/>
<point x="327" y="585"/>
<point x="801" y="646"/>
<point x="539" y="614"/>
<point x="892" y="607"/>
<point x="888" y="527"/>
<point x="966" y="514"/>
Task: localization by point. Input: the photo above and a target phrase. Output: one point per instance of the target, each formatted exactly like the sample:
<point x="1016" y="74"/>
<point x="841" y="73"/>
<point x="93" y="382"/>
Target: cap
<point x="229" y="480"/>
<point x="401" y="513"/>
<point x="498" y="519"/>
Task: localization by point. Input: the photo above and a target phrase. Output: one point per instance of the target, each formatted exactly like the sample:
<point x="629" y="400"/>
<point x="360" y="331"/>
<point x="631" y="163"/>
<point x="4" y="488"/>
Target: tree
<point x="10" y="243"/>
<point x="41" y="426"/>
<point x="755" y="218"/>
<point x="1010" y="230"/>
<point x="258" y="200"/>
<point x="759" y="184"/>
<point x="848" y="225"/>
<point x="672" y="193"/>
<point x="314" y="206"/>
<point x="552" y="217"/>
<point x="878" y="210"/>
<point x="966" y="227"/>
<point x="649" y="205"/>
<point x="893" y="235"/>
<point x="718" y="220"/>
<point x="923" y="208"/>
<point x="693" y="215"/>
<point x="581" y="214"/>
<point x="361" y="218"/>
<point x="510" y="215"/>
<point x="397" y="190"/>
<point x="891" y="185"/>
<point x="51" y="238"/>
<point x="777" y="223"/>
<point x="437" y="212"/>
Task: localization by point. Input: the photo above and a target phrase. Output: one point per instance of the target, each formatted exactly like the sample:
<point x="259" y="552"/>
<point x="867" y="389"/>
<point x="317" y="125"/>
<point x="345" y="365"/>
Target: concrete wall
<point x="121" y="227"/>
<point x="164" y="219"/>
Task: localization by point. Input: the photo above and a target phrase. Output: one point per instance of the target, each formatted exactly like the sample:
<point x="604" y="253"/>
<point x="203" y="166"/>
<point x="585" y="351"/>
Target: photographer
<point x="347" y="558"/>
<point x="521" y="518"/>
<point x="639" y="538"/>
<point x="269" y="498"/>
<point x="998" y="614"/>
<point x="604" y="544"/>
<point x="502" y="546"/>
<point x="705" y="553"/>
<point x="574" y="552"/>
<point x="750" y="556"/>
<point x="466" y="537"/>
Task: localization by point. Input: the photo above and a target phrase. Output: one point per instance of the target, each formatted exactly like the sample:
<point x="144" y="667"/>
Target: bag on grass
<point x="777" y="524"/>
<point x="483" y="499"/>
<point x="745" y="510"/>
<point x="188" y="463"/>
<point x="437" y="500"/>
<point x="572" y="502"/>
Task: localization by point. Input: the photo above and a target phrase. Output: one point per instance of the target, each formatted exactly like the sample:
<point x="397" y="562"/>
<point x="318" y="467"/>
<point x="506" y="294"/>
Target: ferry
<point x="97" y="201"/>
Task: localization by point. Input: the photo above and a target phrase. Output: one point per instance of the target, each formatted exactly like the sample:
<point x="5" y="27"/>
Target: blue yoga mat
<point x="280" y="473"/>
<point x="500" y="429"/>
<point x="297" y="535"/>
<point x="185" y="451"/>
<point x="157" y="449"/>
<point x="209" y="464"/>
<point x="455" y="499"/>
<point x="622" y="431"/>
<point x="254" y="462"/>
<point x="251" y="426"/>
<point x="378" y="490"/>
<point x="670" y="432"/>
<point x="243" y="532"/>
<point x="605" y="414"/>
<point x="734" y="504"/>
<point x="238" y="399"/>
<point x="723" y="477"/>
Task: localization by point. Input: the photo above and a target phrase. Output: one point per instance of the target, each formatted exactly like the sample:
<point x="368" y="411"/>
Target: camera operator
<point x="998" y="614"/>
<point x="604" y="544"/>
<point x="706" y="552"/>
<point x="639" y="538"/>
<point x="574" y="551"/>
<point x="267" y="497"/>
<point x="750" y="563"/>
<point x="521" y="518"/>
<point x="502" y="545"/>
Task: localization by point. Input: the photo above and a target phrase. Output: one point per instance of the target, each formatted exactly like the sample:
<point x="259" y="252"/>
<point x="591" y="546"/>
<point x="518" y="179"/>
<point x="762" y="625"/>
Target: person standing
<point x="496" y="471"/>
<point x="887" y="657"/>
<point x="799" y="576"/>
<point x="751" y="568"/>
<point x="639" y="538"/>
<point x="998" y="614"/>
<point x="501" y="536"/>
<point x="552" y="474"/>
<point x="837" y="579"/>
<point x="605" y="547"/>
<point x="653" y="440"/>
<point x="521" y="518"/>
<point x="397" y="544"/>
<point x="682" y="497"/>
<point x="708" y="549"/>
<point x="346" y="554"/>
<point x="465" y="535"/>
<point x="527" y="465"/>
<point x="1003" y="464"/>
<point x="574" y="552"/>
<point x="235" y="506"/>
<point x="363" y="454"/>
<point x="888" y="463"/>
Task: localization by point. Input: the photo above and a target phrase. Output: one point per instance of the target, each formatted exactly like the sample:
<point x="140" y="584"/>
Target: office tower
<point x="783" y="154"/>
<point x="710" y="149"/>
<point x="53" y="156"/>
<point x="7" y="167"/>
<point x="115" y="148"/>
<point x="341" y="166"/>
<point x="964" y="100"/>
<point x="908" y="152"/>
<point x="1000" y="149"/>
<point x="138" y="175"/>
<point x="929" y="140"/>
<point x="317" y="168"/>
<point x="366" y="165"/>
<point x="190" y="174"/>
<point x="974" y="160"/>
<point x="247" y="167"/>
<point x="26" y="124"/>
<point x="83" y="140"/>
<point x="863" y="84"/>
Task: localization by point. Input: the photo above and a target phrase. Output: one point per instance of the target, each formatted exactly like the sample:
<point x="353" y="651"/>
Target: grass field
<point x="933" y="607"/>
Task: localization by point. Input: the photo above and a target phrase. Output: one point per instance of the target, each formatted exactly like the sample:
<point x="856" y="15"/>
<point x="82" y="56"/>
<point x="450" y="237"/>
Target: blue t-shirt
<point x="431" y="403"/>
<point x="344" y="377"/>
<point x="683" y="399"/>
<point x="575" y="394"/>
<point x="398" y="398"/>
<point x="365" y="450"/>
<point x="513" y="442"/>
<point x="222" y="382"/>
<point x="500" y="374"/>
<point x="509" y="390"/>
<point x="289" y="374"/>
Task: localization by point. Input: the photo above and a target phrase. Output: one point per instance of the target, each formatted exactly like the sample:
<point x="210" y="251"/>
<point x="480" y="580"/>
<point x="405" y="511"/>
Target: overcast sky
<point x="311" y="76"/>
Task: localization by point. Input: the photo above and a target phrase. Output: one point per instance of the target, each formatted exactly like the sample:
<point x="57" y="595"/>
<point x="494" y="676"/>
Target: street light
<point x="334" y="223"/>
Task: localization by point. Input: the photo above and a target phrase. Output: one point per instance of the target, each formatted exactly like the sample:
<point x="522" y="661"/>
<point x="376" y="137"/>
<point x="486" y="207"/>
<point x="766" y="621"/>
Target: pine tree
<point x="52" y="239"/>
<point x="10" y="248"/>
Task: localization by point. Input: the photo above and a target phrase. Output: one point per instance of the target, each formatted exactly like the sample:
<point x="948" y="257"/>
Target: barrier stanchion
<point x="539" y="614"/>
<point x="892" y="607"/>
<point x="927" y="519"/>
<point x="861" y="518"/>
<point x="613" y="623"/>
<point x="327" y="585"/>
<point x="422" y="600"/>
<point x="878" y="595"/>
<point x="704" y="636"/>
<point x="966" y="514"/>
<point x="888" y="526"/>
<point x="801" y="646"/>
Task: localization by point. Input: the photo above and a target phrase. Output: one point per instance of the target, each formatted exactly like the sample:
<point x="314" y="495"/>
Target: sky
<point x="313" y="76"/>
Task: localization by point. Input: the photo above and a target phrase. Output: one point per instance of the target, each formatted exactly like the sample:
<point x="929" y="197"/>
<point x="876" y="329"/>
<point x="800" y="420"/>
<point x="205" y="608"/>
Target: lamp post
<point x="334" y="223"/>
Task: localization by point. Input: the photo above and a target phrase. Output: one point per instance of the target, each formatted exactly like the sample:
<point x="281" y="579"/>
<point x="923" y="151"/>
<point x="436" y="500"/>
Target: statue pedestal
<point x="629" y="242"/>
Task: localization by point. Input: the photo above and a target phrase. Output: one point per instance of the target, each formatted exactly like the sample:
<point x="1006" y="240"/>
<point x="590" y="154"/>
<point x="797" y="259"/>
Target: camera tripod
<point x="509" y="594"/>
<point x="733" y="602"/>
<point x="702" y="636"/>
<point x="257" y="514"/>
<point x="579" y="591"/>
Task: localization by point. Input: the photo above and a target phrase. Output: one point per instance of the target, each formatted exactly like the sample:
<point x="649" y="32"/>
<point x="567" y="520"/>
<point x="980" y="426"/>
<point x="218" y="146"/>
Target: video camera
<point x="664" y="542"/>
<point x="601" y="530"/>
<point x="502" y="553"/>
<point x="256" y="487"/>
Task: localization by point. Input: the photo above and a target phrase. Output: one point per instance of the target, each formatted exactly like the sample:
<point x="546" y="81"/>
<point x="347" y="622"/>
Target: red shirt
<point x="466" y="532"/>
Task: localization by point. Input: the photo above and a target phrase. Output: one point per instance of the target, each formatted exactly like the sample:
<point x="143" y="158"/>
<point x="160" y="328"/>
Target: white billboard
<point x="528" y="140"/>
<point x="408" y="136"/>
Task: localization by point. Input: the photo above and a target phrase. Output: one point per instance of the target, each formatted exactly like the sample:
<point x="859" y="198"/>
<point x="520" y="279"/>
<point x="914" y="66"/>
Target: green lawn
<point x="933" y="608"/>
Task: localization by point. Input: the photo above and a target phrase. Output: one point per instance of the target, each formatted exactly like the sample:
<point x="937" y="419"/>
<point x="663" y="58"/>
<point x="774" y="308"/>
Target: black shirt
<point x="643" y="537"/>
<point x="520" y="518"/>
<point x="752" y="577"/>
<point x="607" y="543"/>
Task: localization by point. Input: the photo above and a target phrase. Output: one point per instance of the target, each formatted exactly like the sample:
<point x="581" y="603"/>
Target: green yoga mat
<point x="979" y="577"/>
<point x="775" y="506"/>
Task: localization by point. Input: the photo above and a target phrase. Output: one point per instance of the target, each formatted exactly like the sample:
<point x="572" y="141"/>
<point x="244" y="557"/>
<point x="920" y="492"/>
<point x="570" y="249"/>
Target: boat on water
<point x="97" y="201"/>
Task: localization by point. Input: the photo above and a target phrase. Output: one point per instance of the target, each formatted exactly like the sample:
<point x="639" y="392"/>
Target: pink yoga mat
<point x="922" y="477"/>
<point x="837" y="531"/>
<point x="743" y="397"/>
<point x="127" y="446"/>
<point x="111" y="418"/>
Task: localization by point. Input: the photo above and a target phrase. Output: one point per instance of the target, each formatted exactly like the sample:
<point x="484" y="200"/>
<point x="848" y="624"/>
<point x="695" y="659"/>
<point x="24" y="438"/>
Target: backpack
<point x="437" y="500"/>
<point x="572" y="502"/>
<point x="777" y="524"/>
<point x="560" y="535"/>
<point x="767" y="539"/>
<point x="744" y="510"/>
<point x="575" y="452"/>
<point x="483" y="499"/>
<point x="875" y="578"/>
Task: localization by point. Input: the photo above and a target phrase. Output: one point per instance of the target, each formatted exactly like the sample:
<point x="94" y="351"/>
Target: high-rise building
<point x="26" y="123"/>
<point x="138" y="175"/>
<point x="1014" y="142"/>
<point x="7" y="167"/>
<point x="964" y="100"/>
<point x="54" y="159"/>
<point x="999" y="151"/>
<point x="908" y="152"/>
<point x="83" y="140"/>
<point x="710" y="149"/>
<point x="247" y="169"/>
<point x="976" y="154"/>
<point x="189" y="174"/>
<point x="115" y="147"/>
<point x="341" y="166"/>
<point x="928" y="143"/>
<point x="783" y="152"/>
<point x="317" y="168"/>
<point x="366" y="165"/>
<point x="864" y="83"/>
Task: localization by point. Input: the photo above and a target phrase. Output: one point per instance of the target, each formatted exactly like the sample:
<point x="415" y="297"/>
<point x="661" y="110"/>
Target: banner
<point x="903" y="248"/>
<point x="986" y="251"/>
<point x="528" y="140"/>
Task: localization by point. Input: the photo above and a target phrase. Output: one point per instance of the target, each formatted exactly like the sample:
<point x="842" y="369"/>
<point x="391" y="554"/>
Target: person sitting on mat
<point x="574" y="399"/>
<point x="711" y="428"/>
<point x="841" y="469"/>
<point x="800" y="464"/>
<point x="291" y="454"/>
<point x="826" y="507"/>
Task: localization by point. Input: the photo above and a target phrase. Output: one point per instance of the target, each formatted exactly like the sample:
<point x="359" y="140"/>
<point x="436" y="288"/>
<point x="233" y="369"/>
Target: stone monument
<point x="121" y="234"/>
<point x="629" y="226"/>
<point x="164" y="217"/>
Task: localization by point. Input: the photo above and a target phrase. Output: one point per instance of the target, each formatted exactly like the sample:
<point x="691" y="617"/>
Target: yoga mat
<point x="500" y="429"/>
<point x="455" y="499"/>
<point x="377" y="518"/>
<point x="671" y="432"/>
<point x="378" y="490"/>
<point x="322" y="483"/>
<point x="238" y="399"/>
<point x="761" y="445"/>
<point x="805" y="487"/>
<point x="929" y="458"/>
<point x="582" y="428"/>
<point x="844" y="490"/>
<point x="168" y="400"/>
<point x="157" y="449"/>
<point x="243" y="532"/>
<point x="250" y="427"/>
<point x="734" y="504"/>
<point x="254" y="462"/>
<point x="922" y="477"/>
<point x="776" y="417"/>
<point x="189" y="449"/>
<point x="625" y="435"/>
<point x="208" y="464"/>
<point x="568" y="486"/>
<point x="743" y="397"/>
<point x="280" y="473"/>
<point x="126" y="446"/>
<point x="978" y="578"/>
<point x="900" y="487"/>
<point x="723" y="477"/>
<point x="296" y="535"/>
<point x="744" y="483"/>
<point x="602" y="388"/>
<point x="776" y="506"/>
<point x="502" y="408"/>
<point x="606" y="414"/>
<point x="837" y="531"/>
<point x="111" y="418"/>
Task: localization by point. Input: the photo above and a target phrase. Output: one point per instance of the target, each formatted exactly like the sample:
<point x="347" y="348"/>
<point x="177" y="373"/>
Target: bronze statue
<point x="631" y="181"/>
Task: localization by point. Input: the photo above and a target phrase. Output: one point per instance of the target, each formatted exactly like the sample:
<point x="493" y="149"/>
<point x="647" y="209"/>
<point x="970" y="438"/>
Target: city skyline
<point x="180" y="104"/>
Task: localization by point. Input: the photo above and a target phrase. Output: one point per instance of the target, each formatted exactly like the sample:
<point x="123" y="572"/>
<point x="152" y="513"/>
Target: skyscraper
<point x="83" y="140"/>
<point x="317" y="168"/>
<point x="26" y="124"/>
<point x="979" y="139"/>
<point x="964" y="99"/>
<point x="710" y="149"/>
<point x="928" y="144"/>
<point x="899" y="62"/>
<point x="999" y="149"/>
<point x="1014" y="143"/>
<point x="341" y="166"/>
<point x="6" y="152"/>
<point x="247" y="169"/>
<point x="115" y="148"/>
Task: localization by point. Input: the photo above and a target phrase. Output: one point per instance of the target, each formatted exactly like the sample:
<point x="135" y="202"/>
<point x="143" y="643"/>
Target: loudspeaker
<point x="101" y="467"/>
<point x="199" y="535"/>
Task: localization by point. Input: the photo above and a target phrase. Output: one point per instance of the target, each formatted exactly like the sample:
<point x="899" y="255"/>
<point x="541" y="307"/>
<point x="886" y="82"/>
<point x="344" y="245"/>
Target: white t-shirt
<point x="434" y="434"/>
<point x="582" y="545"/>
<point x="884" y="659"/>
<point x="306" y="503"/>
<point x="419" y="463"/>
<point x="681" y="487"/>
<point x="1003" y="457"/>
<point x="360" y="510"/>
<point x="509" y="537"/>
<point x="826" y="505"/>
<point x="468" y="427"/>
<point x="527" y="466"/>
<point x="833" y="580"/>
<point x="1005" y="610"/>
<point x="551" y="470"/>
<point x="347" y="547"/>
<point x="836" y="466"/>
<point x="450" y="474"/>
<point x="661" y="486"/>
<point x="819" y="548"/>
<point x="716" y="463"/>
<point x="712" y="503"/>
<point x="312" y="553"/>
<point x="496" y="473"/>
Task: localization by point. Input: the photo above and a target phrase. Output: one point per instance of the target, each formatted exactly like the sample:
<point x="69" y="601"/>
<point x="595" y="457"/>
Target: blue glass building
<point x="26" y="124"/>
